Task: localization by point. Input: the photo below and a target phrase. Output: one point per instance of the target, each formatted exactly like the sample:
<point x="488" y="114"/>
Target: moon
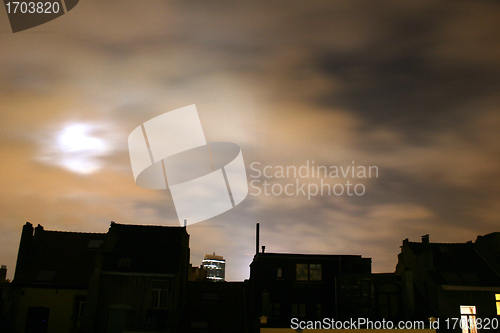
<point x="79" y="149"/>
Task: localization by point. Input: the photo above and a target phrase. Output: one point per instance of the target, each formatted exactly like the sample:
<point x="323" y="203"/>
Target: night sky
<point x="411" y="87"/>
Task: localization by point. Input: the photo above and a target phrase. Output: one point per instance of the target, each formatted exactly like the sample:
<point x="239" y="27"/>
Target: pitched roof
<point x="145" y="249"/>
<point x="457" y="263"/>
<point x="67" y="259"/>
<point x="62" y="259"/>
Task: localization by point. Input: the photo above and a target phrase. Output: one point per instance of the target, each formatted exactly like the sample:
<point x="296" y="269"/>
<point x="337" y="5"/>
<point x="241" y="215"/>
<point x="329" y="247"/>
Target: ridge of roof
<point x="74" y="232"/>
<point x="145" y="225"/>
<point x="433" y="243"/>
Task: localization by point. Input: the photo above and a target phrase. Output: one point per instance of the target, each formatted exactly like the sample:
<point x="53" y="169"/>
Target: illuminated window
<point x="308" y="272"/>
<point x="468" y="319"/>
<point x="279" y="272"/>
<point x="497" y="299"/>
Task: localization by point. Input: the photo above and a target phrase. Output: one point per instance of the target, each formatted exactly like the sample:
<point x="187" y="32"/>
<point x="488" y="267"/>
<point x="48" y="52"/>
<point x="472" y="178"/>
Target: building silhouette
<point x="215" y="267"/>
<point x="451" y="280"/>
<point x="6" y="300"/>
<point x="132" y="277"/>
<point x="136" y="278"/>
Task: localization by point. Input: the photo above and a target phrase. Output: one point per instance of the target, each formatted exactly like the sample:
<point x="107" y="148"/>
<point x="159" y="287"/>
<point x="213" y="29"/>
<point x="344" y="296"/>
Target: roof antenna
<point x="257" y="236"/>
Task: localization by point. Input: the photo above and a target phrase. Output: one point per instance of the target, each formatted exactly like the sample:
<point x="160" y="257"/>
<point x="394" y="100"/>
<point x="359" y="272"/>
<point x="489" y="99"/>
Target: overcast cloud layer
<point x="411" y="87"/>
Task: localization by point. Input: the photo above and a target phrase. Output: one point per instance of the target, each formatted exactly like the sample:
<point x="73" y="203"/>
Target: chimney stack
<point x="38" y="230"/>
<point x="3" y="274"/>
<point x="425" y="241"/>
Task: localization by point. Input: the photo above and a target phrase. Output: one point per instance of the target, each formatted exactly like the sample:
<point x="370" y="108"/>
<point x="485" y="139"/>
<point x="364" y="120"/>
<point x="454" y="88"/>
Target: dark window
<point x="302" y="272"/>
<point x="295" y="310"/>
<point x="124" y="263"/>
<point x="279" y="272"/>
<point x="95" y="243"/>
<point x="158" y="294"/>
<point x="276" y="309"/>
<point x="79" y="306"/>
<point x="308" y="272"/>
<point x="315" y="272"/>
<point x="302" y="310"/>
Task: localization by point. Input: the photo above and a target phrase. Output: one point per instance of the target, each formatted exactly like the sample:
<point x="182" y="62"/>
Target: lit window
<point x="468" y="318"/>
<point x="497" y="299"/>
<point x="280" y="272"/>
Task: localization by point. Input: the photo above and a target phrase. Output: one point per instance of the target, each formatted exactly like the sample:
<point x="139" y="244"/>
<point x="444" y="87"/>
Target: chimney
<point x="426" y="257"/>
<point x="3" y="274"/>
<point x="26" y="244"/>
<point x="38" y="230"/>
<point x="425" y="241"/>
<point x="263" y="249"/>
<point x="257" y="236"/>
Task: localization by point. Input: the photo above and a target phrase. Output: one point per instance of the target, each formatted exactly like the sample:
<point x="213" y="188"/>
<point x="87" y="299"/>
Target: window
<point x="315" y="272"/>
<point x="308" y="272"/>
<point x="302" y="272"/>
<point x="95" y="243"/>
<point x="298" y="310"/>
<point x="79" y="306"/>
<point x="279" y="272"/>
<point x="497" y="299"/>
<point x="158" y="294"/>
<point x="302" y="310"/>
<point x="124" y="263"/>
<point x="276" y="309"/>
<point x="295" y="310"/>
<point x="468" y="319"/>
